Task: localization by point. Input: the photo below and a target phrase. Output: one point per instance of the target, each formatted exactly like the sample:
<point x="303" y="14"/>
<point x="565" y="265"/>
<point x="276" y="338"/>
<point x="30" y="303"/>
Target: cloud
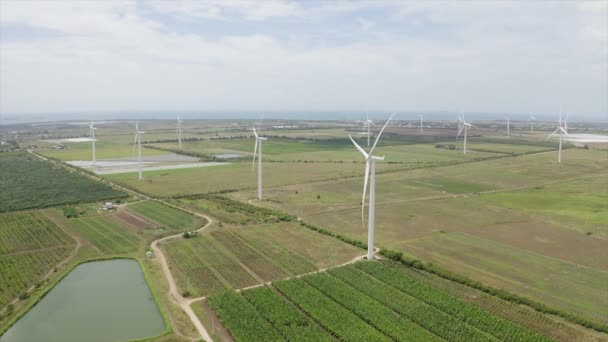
<point x="117" y="55"/>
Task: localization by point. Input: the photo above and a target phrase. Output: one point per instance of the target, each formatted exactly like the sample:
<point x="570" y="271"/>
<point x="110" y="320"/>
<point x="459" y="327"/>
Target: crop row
<point x="105" y="235"/>
<point x="449" y="304"/>
<point x="20" y="271"/>
<point x="242" y="320"/>
<point x="173" y="219"/>
<point x="255" y="261"/>
<point x="370" y="310"/>
<point x="293" y="325"/>
<point x="29" y="230"/>
<point x="193" y="266"/>
<point x="28" y="182"/>
<point x="331" y="315"/>
<point x="429" y="317"/>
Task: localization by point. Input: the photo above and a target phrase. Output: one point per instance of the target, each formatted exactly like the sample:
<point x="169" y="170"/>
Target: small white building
<point x="108" y="205"/>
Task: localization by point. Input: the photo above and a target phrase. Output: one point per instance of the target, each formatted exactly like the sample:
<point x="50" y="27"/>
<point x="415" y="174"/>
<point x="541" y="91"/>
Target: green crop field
<point x="524" y="213"/>
<point x="30" y="246"/>
<point x="28" y="182"/>
<point x="171" y="218"/>
<point x="238" y="258"/>
<point x="108" y="236"/>
<point x="371" y="301"/>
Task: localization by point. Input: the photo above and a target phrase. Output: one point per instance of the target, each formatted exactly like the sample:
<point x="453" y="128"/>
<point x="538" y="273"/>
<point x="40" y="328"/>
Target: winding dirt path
<point x="173" y="293"/>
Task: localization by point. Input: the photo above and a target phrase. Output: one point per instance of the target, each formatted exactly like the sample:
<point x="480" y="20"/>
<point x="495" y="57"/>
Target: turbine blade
<point x="460" y="130"/>
<point x="379" y="134"/>
<point x="359" y="147"/>
<point x="552" y="134"/>
<point x="255" y="133"/>
<point x="364" y="193"/>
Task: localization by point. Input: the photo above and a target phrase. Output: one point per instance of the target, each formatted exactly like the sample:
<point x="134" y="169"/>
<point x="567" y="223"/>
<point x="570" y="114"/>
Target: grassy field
<point x="171" y="218"/>
<point x="28" y="182"/>
<point x="105" y="234"/>
<point x="537" y="220"/>
<point x="233" y="176"/>
<point x="242" y="257"/>
<point x="30" y="246"/>
<point x="370" y="301"/>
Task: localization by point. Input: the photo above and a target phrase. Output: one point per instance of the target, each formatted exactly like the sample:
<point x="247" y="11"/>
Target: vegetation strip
<point x="242" y="319"/>
<point x="285" y="318"/>
<point x="373" y="312"/>
<point x="435" y="321"/>
<point x="469" y="313"/>
<point x="334" y="317"/>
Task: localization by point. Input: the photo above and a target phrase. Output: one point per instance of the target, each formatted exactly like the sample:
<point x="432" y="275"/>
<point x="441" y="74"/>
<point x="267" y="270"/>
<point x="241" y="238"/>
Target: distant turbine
<point x="258" y="142"/>
<point x="463" y="126"/>
<point x="92" y="136"/>
<point x="179" y="132"/>
<point x="508" y="126"/>
<point x="370" y="172"/>
<point x="562" y="131"/>
<point x="421" y="130"/>
<point x="368" y="123"/>
<point x="137" y="141"/>
<point x="532" y="119"/>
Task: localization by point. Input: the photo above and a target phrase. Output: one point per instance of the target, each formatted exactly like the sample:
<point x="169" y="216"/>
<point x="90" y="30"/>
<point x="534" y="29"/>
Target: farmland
<point x="375" y="301"/>
<point x="508" y="222"/>
<point x="30" y="246"/>
<point x="243" y="257"/>
<point x="171" y="218"/>
<point x="28" y="182"/>
<point x="106" y="235"/>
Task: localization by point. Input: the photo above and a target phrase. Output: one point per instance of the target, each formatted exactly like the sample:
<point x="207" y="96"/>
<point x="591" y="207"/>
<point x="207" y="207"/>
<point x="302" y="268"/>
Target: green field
<point x="105" y="234"/>
<point x="234" y="176"/>
<point x="527" y="211"/>
<point x="30" y="246"/>
<point x="171" y="218"/>
<point x="366" y="301"/>
<point x="238" y="258"/>
<point x="28" y="182"/>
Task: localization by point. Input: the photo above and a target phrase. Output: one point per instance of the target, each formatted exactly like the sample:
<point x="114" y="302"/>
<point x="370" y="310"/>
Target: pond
<point x="98" y="301"/>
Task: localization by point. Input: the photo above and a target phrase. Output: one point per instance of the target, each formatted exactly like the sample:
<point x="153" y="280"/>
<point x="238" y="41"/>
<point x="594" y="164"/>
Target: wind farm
<point x="286" y="170"/>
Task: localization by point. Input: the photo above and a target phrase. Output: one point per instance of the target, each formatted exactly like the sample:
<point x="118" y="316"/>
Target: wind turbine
<point x="421" y="129"/>
<point x="179" y="132"/>
<point x="137" y="141"/>
<point x="368" y="123"/>
<point x="508" y="126"/>
<point x="463" y="126"/>
<point x="92" y="136"/>
<point x="258" y="152"/>
<point x="370" y="173"/>
<point x="562" y="131"/>
<point x="532" y="119"/>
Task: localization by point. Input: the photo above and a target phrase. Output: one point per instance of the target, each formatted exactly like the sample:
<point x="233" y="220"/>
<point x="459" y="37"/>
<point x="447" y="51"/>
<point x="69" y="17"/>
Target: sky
<point x="487" y="56"/>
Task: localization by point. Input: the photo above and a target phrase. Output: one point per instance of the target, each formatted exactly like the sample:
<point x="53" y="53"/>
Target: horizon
<point x="485" y="57"/>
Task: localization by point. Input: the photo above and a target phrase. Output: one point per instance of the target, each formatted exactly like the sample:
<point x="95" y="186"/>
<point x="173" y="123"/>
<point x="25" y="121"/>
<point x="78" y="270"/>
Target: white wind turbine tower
<point x="463" y="126"/>
<point x="92" y="136"/>
<point x="508" y="126"/>
<point x="532" y="119"/>
<point x="562" y="131"/>
<point x="258" y="152"/>
<point x="370" y="173"/>
<point x="368" y="123"/>
<point x="179" y="132"/>
<point x="421" y="129"/>
<point x="137" y="141"/>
